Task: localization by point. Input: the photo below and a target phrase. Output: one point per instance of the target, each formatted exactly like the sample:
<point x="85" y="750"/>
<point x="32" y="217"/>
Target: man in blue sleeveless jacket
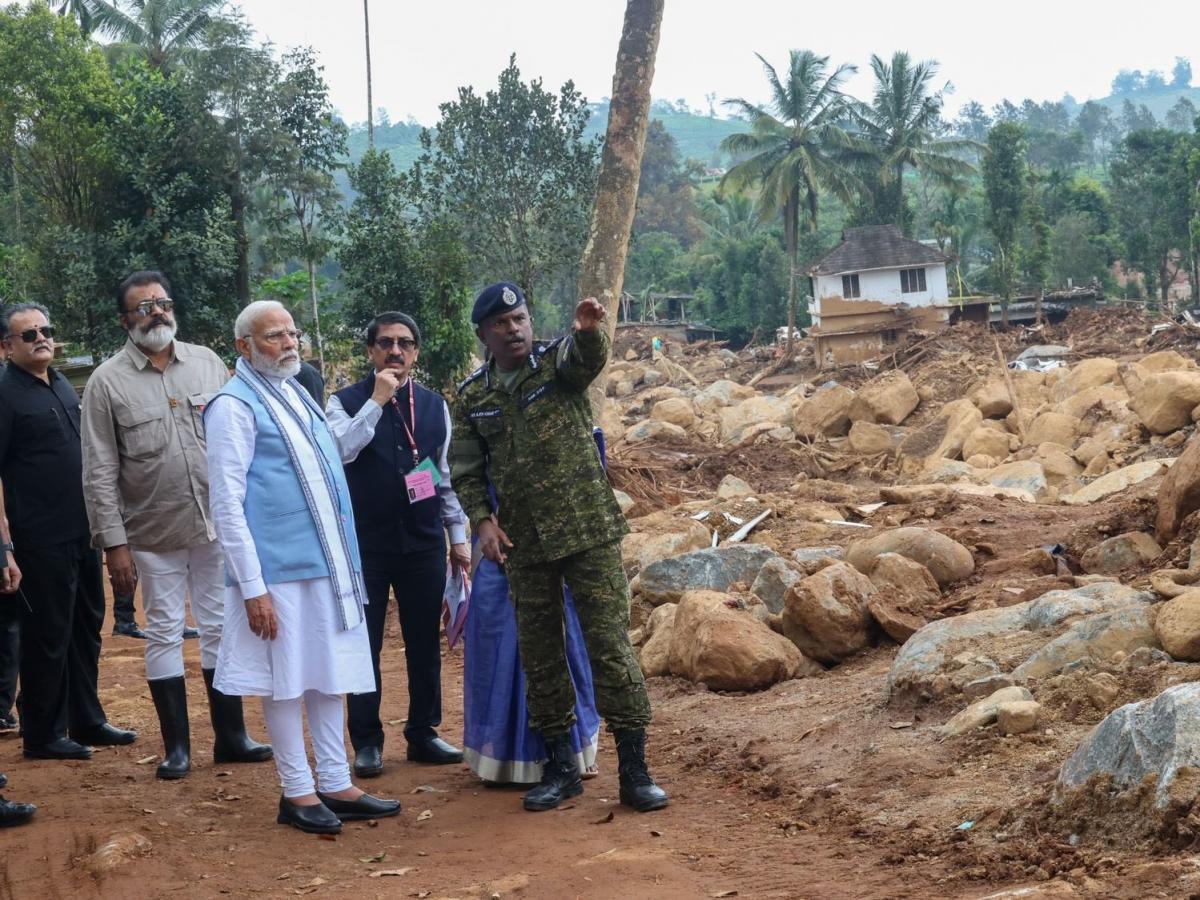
<point x="393" y="436"/>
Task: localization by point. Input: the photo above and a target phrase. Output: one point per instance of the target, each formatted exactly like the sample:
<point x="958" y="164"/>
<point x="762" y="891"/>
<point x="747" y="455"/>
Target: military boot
<point x="170" y="702"/>
<point x="232" y="743"/>
<point x="560" y="776"/>
<point x="638" y="789"/>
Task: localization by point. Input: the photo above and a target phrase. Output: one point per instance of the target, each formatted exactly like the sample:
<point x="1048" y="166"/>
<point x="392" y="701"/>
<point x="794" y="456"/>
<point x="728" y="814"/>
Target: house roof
<point x="876" y="247"/>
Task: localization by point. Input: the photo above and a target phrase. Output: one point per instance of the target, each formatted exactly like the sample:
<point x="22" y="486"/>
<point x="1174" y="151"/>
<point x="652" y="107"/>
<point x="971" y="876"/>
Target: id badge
<point x="421" y="483"/>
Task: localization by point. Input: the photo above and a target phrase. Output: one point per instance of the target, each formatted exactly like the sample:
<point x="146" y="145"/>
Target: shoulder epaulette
<point x="544" y="349"/>
<point x="474" y="376"/>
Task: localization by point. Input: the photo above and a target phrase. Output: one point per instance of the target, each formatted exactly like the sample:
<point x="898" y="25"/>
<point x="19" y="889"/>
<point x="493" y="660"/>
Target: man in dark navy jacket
<point x="393" y="435"/>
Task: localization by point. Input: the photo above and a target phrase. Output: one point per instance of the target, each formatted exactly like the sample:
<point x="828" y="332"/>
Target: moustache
<point x="396" y="359"/>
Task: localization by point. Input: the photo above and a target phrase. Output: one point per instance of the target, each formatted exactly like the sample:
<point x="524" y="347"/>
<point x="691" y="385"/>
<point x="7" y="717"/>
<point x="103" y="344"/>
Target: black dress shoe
<point x="3" y="780"/>
<point x="104" y="735"/>
<point x="368" y="762"/>
<point x="365" y="807"/>
<point x="128" y="629"/>
<point x="15" y="813"/>
<point x="8" y="722"/>
<point x="60" y="748"/>
<point x="435" y="751"/>
<point x="190" y="634"/>
<point x="316" y="819"/>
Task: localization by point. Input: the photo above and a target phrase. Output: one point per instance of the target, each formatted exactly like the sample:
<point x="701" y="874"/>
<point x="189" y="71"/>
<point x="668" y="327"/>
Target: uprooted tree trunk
<point x="602" y="272"/>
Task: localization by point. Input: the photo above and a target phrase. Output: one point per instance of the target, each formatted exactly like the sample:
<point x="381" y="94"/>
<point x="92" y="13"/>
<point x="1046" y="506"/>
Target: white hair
<point x="246" y="318"/>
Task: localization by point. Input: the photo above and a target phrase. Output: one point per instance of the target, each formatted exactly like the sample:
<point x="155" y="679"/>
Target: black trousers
<point x="10" y="649"/>
<point x="419" y="580"/>
<point x="60" y="639"/>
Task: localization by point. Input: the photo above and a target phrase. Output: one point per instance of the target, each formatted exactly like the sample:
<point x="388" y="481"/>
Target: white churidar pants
<point x="167" y="579"/>
<point x="326" y="727"/>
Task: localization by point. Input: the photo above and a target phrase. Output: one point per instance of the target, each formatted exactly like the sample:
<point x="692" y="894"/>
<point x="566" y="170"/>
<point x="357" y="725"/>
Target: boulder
<point x="946" y="559"/>
<point x="772" y="583"/>
<point x="660" y="536"/>
<point x="655" y="655"/>
<point x="825" y="414"/>
<point x="1157" y="738"/>
<point x="1024" y="475"/>
<point x="731" y="487"/>
<point x="826" y="614"/>
<point x="988" y="442"/>
<point x="624" y="501"/>
<point x="1179" y="493"/>
<point x="905" y="592"/>
<point x="1117" y="481"/>
<point x="1098" y="638"/>
<point x="1133" y="548"/>
<point x="979" y="461"/>
<point x="1178" y="626"/>
<point x="1166" y="361"/>
<point x="676" y="411"/>
<point x="728" y="649"/>
<point x="720" y="394"/>
<point x="887" y="399"/>
<point x="992" y="399"/>
<point x="1055" y="427"/>
<point x="653" y="430"/>
<point x="651" y="377"/>
<point x="714" y="569"/>
<point x="870" y="439"/>
<point x="1164" y="402"/>
<point x="1059" y="467"/>
<point x="1087" y="374"/>
<point x="1017" y="716"/>
<point x="754" y="411"/>
<point x="1089" y="450"/>
<point x="942" y="438"/>
<point x="984" y="712"/>
<point x="1111" y="399"/>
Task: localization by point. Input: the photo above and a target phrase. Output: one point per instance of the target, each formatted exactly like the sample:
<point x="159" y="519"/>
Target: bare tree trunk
<point x="370" y="105"/>
<point x="312" y="298"/>
<point x="602" y="271"/>
<point x="241" y="242"/>
<point x="790" y="226"/>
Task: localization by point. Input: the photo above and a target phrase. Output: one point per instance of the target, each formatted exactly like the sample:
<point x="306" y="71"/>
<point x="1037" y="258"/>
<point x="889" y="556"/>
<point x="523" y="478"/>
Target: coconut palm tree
<point x="163" y="31"/>
<point x="795" y="148"/>
<point x="79" y="10"/>
<point x="902" y="124"/>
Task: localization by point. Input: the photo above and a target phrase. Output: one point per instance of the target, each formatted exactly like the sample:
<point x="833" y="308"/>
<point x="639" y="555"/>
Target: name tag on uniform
<point x="421" y="483"/>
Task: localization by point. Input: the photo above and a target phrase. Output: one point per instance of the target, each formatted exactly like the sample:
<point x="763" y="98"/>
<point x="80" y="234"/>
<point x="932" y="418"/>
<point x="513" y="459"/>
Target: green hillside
<point x="1158" y="102"/>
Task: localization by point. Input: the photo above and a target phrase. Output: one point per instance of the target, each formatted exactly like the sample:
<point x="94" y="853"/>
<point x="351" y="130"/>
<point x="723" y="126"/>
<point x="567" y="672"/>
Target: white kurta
<point x="311" y="651"/>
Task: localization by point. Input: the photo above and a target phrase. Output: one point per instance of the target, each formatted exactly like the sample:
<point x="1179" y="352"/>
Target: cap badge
<point x="509" y="297"/>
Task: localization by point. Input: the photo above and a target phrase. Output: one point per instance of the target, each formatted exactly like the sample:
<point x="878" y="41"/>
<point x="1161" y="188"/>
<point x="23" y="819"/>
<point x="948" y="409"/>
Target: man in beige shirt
<point x="145" y="479"/>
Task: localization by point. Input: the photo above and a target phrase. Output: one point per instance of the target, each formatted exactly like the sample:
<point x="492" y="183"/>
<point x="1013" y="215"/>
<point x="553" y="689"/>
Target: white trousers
<point x="167" y="579"/>
<point x="326" y="727"/>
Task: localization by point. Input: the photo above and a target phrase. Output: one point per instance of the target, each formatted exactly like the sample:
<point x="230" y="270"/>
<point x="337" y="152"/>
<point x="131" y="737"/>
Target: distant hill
<point x="1158" y="102"/>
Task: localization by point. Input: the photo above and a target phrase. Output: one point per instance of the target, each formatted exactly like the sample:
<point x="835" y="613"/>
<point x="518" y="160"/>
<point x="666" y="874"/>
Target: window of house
<point x="850" y="288"/>
<point x="912" y="280"/>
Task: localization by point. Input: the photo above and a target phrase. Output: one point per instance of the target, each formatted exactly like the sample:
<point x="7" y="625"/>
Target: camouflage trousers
<point x="601" y="593"/>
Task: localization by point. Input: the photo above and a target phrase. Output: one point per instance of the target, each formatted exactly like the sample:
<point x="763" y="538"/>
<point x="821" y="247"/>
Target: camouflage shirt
<point x="534" y="441"/>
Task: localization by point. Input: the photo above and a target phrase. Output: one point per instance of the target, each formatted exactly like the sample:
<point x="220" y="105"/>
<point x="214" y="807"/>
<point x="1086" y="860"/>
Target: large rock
<point x="826" y="614"/>
<point x="1166" y="361"/>
<point x="906" y="592"/>
<point x="1178" y="626"/>
<point x="1164" y="402"/>
<point x="1117" y="481"/>
<point x="720" y="394"/>
<point x="713" y="570"/>
<point x="825" y="414"/>
<point x="984" y="712"/>
<point x="1023" y="475"/>
<point x="871" y="440"/>
<point x="727" y="648"/>
<point x="1179" y="494"/>
<point x="732" y="487"/>
<point x="1059" y="467"/>
<point x="676" y="410"/>
<point x="655" y="655"/>
<point x="942" y="438"/>
<point x="1133" y="548"/>
<point x="773" y="581"/>
<point x="992" y="398"/>
<point x="1055" y="427"/>
<point x="654" y="430"/>
<point x="1157" y="738"/>
<point x="887" y="399"/>
<point x="754" y="411"/>
<point x="988" y="442"/>
<point x="946" y="559"/>
<point x="1099" y="638"/>
<point x="928" y="655"/>
<point x="660" y="536"/>
<point x="1111" y="399"/>
<point x="1087" y="374"/>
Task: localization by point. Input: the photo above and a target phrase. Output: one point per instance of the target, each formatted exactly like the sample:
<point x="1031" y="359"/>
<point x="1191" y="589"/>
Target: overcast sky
<point x="423" y="51"/>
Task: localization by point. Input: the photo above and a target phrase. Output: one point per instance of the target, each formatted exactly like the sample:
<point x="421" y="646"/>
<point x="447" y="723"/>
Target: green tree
<point x="1004" y="175"/>
<point x="79" y="10"/>
<point x="163" y="32"/>
<point x="1181" y="74"/>
<point x="795" y="148"/>
<point x="512" y="172"/>
<point x="904" y="127"/>
<point x="1182" y="116"/>
<point x="666" y="193"/>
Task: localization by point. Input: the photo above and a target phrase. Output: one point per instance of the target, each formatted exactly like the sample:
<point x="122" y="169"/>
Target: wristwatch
<point x="7" y="546"/>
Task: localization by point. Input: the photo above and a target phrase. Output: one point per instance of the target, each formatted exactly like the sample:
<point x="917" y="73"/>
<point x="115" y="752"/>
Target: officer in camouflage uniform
<point x="523" y="421"/>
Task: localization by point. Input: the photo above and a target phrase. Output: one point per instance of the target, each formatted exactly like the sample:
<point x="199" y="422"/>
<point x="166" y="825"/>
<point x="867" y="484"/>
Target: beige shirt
<point x="145" y="473"/>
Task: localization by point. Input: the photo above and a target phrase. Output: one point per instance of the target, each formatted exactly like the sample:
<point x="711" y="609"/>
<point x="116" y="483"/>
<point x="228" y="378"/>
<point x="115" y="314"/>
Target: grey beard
<point x="155" y="339"/>
<point x="275" y="368"/>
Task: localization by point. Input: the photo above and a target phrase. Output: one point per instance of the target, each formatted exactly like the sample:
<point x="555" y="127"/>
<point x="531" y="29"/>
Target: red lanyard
<point x="412" y="413"/>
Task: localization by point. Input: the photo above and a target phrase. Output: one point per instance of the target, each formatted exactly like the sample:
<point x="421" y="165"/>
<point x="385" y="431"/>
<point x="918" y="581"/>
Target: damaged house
<point x="873" y="288"/>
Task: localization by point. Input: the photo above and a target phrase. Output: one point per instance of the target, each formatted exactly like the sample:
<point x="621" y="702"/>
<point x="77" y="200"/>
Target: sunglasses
<point x="143" y="309"/>
<point x="29" y="335"/>
<point x="408" y="345"/>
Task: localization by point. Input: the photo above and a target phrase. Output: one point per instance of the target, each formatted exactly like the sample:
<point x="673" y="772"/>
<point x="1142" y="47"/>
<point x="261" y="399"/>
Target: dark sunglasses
<point x="29" y="335"/>
<point x="143" y="309"/>
<point x="408" y="345"/>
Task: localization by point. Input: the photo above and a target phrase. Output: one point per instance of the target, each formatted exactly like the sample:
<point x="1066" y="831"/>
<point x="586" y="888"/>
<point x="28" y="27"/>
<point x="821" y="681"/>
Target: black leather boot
<point x="232" y="745"/>
<point x="170" y="702"/>
<point x="560" y="776"/>
<point x="638" y="789"/>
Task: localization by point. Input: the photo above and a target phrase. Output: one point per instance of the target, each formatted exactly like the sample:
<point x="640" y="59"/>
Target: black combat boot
<point x="638" y="789"/>
<point x="232" y="745"/>
<point x="560" y="776"/>
<point x="170" y="702"/>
